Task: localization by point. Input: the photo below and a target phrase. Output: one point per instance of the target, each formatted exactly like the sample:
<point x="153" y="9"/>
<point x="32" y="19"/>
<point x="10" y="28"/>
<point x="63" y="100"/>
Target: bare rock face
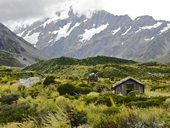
<point x="28" y="82"/>
<point x="73" y="35"/>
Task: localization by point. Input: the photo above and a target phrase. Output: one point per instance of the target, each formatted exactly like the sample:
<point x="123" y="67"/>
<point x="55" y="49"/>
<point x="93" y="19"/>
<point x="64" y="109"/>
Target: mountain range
<point x="102" y="33"/>
<point x="15" y="51"/>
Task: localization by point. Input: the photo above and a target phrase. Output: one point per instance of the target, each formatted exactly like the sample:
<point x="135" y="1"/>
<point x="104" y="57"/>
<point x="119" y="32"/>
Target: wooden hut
<point x="128" y="85"/>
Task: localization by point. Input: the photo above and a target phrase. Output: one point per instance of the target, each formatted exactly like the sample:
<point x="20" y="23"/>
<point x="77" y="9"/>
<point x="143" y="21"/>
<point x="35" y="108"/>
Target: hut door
<point x="130" y="87"/>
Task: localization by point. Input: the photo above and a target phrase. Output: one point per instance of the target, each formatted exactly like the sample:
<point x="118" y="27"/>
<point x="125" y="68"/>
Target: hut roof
<point x="125" y="79"/>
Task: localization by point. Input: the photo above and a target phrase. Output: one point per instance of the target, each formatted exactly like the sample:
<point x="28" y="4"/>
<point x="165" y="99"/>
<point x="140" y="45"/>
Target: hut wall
<point x="120" y="89"/>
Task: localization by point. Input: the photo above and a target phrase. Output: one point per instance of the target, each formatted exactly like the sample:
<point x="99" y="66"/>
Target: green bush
<point x="77" y="118"/>
<point x="49" y="80"/>
<point x="9" y="99"/>
<point x="139" y="101"/>
<point x="104" y="100"/>
<point x="135" y="93"/>
<point x="73" y="89"/>
<point x="147" y="103"/>
<point x="67" y="89"/>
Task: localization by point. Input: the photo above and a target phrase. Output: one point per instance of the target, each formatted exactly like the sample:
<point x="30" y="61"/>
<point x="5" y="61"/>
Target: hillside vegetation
<point x="8" y="59"/>
<point x="91" y="61"/>
<point x="65" y="99"/>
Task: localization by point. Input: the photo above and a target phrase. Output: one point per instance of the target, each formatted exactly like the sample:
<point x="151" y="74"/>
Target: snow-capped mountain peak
<point x="68" y="33"/>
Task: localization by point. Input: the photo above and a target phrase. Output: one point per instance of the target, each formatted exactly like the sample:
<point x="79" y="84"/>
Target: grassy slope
<point x="105" y="66"/>
<point x="96" y="104"/>
<point x="152" y="73"/>
<point x="71" y="61"/>
<point x="7" y="59"/>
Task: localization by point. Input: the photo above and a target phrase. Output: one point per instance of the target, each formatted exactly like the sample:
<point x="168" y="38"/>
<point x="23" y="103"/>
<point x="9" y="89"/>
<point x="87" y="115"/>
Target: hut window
<point x="130" y="87"/>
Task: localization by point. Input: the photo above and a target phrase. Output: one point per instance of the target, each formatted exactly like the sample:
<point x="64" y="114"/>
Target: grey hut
<point x="128" y="85"/>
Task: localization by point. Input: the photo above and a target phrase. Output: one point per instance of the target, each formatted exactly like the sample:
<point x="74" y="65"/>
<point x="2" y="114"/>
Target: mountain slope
<point x="73" y="35"/>
<point x="20" y="49"/>
<point x="8" y="59"/>
<point x="165" y="59"/>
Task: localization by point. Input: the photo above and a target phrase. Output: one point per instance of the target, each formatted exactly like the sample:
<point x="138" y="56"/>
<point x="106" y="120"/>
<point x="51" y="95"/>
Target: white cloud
<point x="25" y="10"/>
<point x="157" y="8"/>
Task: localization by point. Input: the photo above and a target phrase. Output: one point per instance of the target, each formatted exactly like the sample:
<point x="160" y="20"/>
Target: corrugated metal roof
<point x="125" y="79"/>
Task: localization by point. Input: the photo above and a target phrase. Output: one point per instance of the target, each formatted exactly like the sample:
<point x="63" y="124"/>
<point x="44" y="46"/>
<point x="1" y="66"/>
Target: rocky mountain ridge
<point x="72" y="35"/>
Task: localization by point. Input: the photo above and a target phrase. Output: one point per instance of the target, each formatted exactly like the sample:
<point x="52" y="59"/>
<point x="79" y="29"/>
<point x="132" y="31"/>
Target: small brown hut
<point x="128" y="85"/>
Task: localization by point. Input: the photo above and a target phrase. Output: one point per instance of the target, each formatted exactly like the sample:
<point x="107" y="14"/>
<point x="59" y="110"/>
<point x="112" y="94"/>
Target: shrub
<point x="104" y="100"/>
<point x="9" y="99"/>
<point x="135" y="93"/>
<point x="73" y="89"/>
<point x="84" y="90"/>
<point x="49" y="80"/>
<point x="77" y="118"/>
<point x="67" y="89"/>
<point x="167" y="103"/>
<point x="139" y="101"/>
<point x="147" y="103"/>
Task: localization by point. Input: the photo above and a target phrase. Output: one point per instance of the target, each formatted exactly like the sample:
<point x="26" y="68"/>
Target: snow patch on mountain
<point x="115" y="31"/>
<point x="20" y="34"/>
<point x="54" y="32"/>
<point x="62" y="32"/>
<point x="33" y="39"/>
<point x="149" y="39"/>
<point x="85" y="20"/>
<point x="127" y="31"/>
<point x="152" y="26"/>
<point x="138" y="19"/>
<point x="122" y="43"/>
<point x="75" y="26"/>
<point x="149" y="27"/>
<point x="89" y="33"/>
<point x="50" y="41"/>
<point x="165" y="28"/>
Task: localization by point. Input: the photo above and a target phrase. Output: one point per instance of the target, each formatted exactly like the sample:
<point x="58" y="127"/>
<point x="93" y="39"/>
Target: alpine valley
<point x="72" y="70"/>
<point x="73" y="35"/>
